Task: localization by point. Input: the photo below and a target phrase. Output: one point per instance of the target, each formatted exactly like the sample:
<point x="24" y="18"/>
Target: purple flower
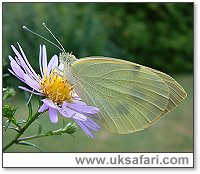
<point x="59" y="96"/>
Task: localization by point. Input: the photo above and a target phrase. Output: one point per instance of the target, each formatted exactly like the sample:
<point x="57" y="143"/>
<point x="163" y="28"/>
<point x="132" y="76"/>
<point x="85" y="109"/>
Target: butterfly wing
<point x="130" y="97"/>
<point x="177" y="93"/>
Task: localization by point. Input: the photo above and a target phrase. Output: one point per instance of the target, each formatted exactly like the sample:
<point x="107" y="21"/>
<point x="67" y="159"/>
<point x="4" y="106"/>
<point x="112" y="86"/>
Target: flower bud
<point x="70" y="128"/>
<point x="9" y="111"/>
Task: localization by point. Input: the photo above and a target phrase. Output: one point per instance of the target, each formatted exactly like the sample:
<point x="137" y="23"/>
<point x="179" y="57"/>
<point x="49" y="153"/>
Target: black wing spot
<point x="136" y="70"/>
<point x="136" y="67"/>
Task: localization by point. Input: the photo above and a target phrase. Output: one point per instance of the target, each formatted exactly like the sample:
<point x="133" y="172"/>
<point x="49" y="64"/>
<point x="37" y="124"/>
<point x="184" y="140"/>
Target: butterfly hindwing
<point x="177" y="93"/>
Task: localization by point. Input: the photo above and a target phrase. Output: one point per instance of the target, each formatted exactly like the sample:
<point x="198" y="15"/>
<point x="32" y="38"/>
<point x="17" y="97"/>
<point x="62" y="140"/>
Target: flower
<point x="58" y="94"/>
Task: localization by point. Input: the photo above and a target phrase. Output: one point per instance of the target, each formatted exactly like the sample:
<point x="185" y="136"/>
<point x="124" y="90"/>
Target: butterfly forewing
<point x="130" y="97"/>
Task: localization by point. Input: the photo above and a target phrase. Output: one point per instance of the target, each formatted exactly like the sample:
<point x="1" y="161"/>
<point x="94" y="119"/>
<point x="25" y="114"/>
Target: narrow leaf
<point x="63" y="124"/>
<point x="30" y="111"/>
<point x="39" y="100"/>
<point x="29" y="144"/>
<point x="7" y="124"/>
<point x="14" y="121"/>
<point x="39" y="129"/>
<point x="15" y="109"/>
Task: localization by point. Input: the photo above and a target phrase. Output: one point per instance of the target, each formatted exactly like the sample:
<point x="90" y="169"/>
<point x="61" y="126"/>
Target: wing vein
<point x="131" y="95"/>
<point x="117" y="115"/>
<point x="102" y="107"/>
<point x="143" y="92"/>
<point x="126" y="81"/>
<point x="124" y="97"/>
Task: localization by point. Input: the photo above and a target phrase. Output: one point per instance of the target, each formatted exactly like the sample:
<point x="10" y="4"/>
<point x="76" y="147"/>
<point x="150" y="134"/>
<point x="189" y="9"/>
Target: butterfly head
<point x="67" y="58"/>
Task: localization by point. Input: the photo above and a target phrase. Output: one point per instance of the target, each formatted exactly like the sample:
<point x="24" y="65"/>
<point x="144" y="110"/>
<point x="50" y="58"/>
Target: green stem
<point x="14" y="140"/>
<point x="56" y="132"/>
<point x="31" y="137"/>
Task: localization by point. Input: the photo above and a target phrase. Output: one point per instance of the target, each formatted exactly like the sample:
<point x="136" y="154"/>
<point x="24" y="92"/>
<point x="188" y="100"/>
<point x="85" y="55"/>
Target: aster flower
<point x="59" y="96"/>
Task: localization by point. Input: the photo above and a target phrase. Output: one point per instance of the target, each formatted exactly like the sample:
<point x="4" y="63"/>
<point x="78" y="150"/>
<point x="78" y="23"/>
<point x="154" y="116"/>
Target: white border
<point x="118" y="160"/>
<point x="197" y="96"/>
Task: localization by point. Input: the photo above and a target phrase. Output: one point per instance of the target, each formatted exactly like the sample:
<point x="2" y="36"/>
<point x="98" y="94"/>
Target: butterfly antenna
<point x="27" y="29"/>
<point x="54" y="36"/>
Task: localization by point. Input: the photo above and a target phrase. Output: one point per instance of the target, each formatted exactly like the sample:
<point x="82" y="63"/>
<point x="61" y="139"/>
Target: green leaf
<point x="39" y="129"/>
<point x="28" y="97"/>
<point x="7" y="123"/>
<point x="63" y="123"/>
<point x="14" y="121"/>
<point x="30" y="110"/>
<point x="29" y="144"/>
<point x="39" y="100"/>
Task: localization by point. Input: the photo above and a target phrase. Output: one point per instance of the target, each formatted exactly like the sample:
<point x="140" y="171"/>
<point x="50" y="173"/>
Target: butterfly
<point x="131" y="97"/>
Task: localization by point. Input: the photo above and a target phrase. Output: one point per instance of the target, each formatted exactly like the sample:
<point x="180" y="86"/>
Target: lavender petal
<point x="80" y="117"/>
<point x="92" y="125"/>
<point x="78" y="102"/>
<point x="33" y="84"/>
<point x="61" y="66"/>
<point x="15" y="51"/>
<point x="22" y="63"/>
<point x="28" y="90"/>
<point x="83" y="108"/>
<point x="53" y="115"/>
<point x="10" y="58"/>
<point x="69" y="111"/>
<point x="49" y="103"/>
<point x="44" y="58"/>
<point x="40" y="62"/>
<point x="16" y="75"/>
<point x="84" y="128"/>
<point x="43" y="108"/>
<point x="52" y="64"/>
<point x="66" y="114"/>
<point x="16" y="59"/>
<point x="64" y="105"/>
<point x="28" y="64"/>
<point x="17" y="69"/>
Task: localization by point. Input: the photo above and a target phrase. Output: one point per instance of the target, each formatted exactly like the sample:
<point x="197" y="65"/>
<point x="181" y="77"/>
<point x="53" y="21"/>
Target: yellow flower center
<point x="55" y="88"/>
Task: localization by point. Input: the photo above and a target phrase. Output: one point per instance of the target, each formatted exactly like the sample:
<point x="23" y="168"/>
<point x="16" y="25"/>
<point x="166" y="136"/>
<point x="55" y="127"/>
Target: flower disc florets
<point x="56" y="88"/>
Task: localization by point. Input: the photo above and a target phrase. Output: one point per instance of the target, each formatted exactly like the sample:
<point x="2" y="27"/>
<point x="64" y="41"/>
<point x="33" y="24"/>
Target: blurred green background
<point x="157" y="35"/>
